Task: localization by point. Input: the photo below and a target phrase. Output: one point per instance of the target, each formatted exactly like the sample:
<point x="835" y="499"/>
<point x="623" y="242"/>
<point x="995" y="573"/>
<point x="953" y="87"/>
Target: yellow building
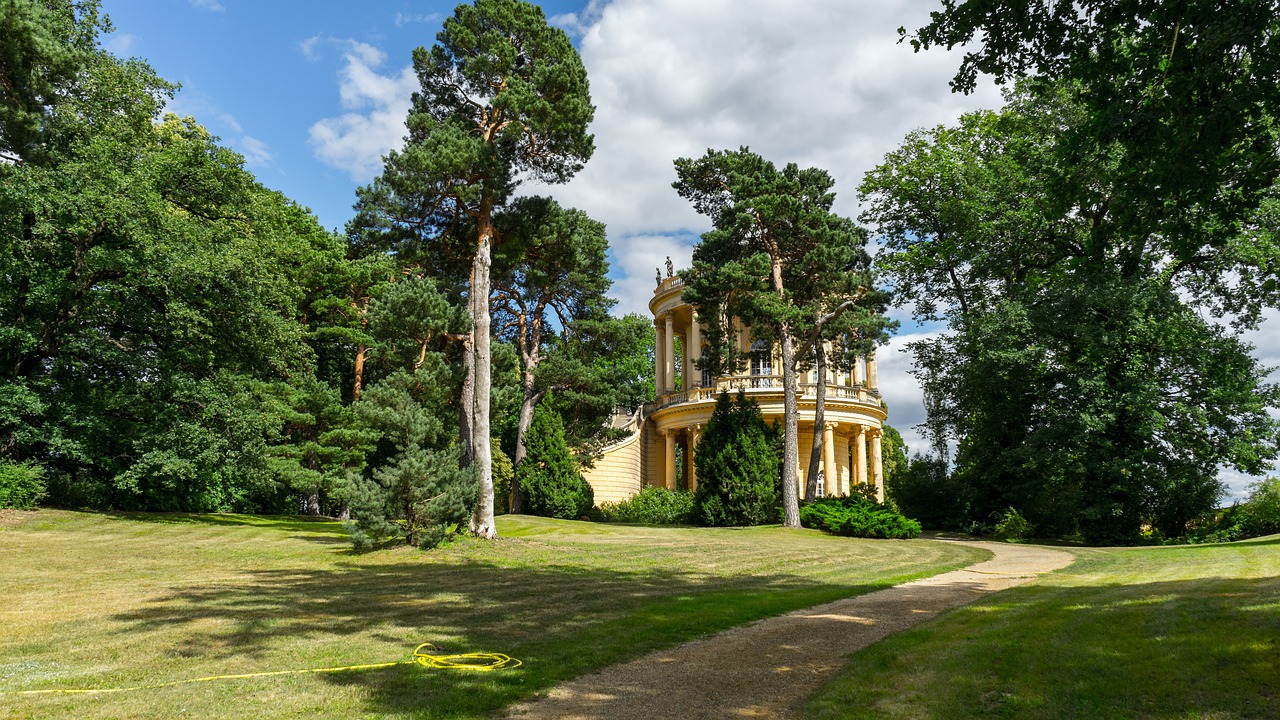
<point x="669" y="427"/>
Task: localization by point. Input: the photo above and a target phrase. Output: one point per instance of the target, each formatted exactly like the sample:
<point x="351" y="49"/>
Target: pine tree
<point x="737" y="464"/>
<point x="549" y="477"/>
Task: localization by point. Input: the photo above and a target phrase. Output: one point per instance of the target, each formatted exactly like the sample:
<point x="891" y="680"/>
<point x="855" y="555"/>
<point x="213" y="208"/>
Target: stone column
<point x="860" y="457"/>
<point x="668" y="356"/>
<point x="877" y="466"/>
<point x="658" y="363"/>
<point x="830" y="473"/>
<point x="873" y="382"/>
<point x="695" y="349"/>
<point x="669" y="477"/>
<point x="687" y="378"/>
<point x="695" y="434"/>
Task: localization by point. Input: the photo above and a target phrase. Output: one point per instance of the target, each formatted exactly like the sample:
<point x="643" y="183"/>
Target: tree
<point x="1185" y="95"/>
<point x="502" y="94"/>
<point x="550" y="478"/>
<point x="737" y="466"/>
<point x="774" y="235"/>
<point x="1083" y="378"/>
<point x="419" y="489"/>
<point x="48" y="45"/>
<point x="550" y="266"/>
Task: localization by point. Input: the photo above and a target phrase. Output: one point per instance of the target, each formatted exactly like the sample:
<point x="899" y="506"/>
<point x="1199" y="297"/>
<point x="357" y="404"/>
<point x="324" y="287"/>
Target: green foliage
<point x="653" y="505"/>
<point x="417" y="488"/>
<point x="1010" y="525"/>
<point x="503" y="473"/>
<point x="928" y="492"/>
<point x="737" y="467"/>
<point x="858" y="516"/>
<point x="1086" y="379"/>
<point x="548" y="476"/>
<point x="1261" y="513"/>
<point x="21" y="484"/>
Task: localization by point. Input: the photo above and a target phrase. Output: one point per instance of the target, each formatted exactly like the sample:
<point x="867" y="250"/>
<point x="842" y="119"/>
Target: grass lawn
<point x="1172" y="632"/>
<point x="101" y="601"/>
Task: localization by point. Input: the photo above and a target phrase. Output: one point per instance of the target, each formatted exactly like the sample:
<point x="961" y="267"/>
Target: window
<point x="762" y="361"/>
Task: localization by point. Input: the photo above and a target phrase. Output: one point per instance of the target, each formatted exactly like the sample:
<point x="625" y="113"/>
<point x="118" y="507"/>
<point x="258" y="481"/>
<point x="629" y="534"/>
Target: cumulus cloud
<point x="819" y="83"/>
<point x="357" y="140"/>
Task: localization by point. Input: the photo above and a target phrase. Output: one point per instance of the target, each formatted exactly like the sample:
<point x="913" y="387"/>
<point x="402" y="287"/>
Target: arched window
<point x="762" y="361"/>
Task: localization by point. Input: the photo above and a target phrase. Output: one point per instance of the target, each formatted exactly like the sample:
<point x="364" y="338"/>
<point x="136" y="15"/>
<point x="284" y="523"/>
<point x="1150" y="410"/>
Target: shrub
<point x="1012" y="526"/>
<point x="503" y="473"/>
<point x="652" y="506"/>
<point x="548" y="476"/>
<point x="1260" y="515"/>
<point x="925" y="490"/>
<point x="21" y="484"/>
<point x="737" y="466"/>
<point x="858" y="516"/>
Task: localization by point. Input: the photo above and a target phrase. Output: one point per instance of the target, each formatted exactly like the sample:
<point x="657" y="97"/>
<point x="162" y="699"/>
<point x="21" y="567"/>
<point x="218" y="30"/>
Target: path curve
<point x="768" y="669"/>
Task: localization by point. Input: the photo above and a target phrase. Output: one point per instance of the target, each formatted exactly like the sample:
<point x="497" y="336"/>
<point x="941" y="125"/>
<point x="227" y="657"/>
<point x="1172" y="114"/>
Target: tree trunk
<point x="790" y="432"/>
<point x="820" y="370"/>
<point x="482" y="518"/>
<point x="790" y="425"/>
<point x="527" y="405"/>
<point x="358" y="385"/>
<point x="467" y="404"/>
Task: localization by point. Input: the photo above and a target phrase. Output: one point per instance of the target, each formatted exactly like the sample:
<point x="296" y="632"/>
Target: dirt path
<point x="767" y="669"/>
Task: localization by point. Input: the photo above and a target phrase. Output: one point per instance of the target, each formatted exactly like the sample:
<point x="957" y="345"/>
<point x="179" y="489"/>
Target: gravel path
<point x="767" y="669"/>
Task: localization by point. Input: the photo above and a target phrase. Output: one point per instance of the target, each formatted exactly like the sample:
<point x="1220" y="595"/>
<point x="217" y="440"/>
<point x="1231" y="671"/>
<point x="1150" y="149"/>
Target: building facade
<point x="663" y="440"/>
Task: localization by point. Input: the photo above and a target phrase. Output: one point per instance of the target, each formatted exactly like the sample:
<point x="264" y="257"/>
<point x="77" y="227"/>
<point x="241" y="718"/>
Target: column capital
<point x="828" y="425"/>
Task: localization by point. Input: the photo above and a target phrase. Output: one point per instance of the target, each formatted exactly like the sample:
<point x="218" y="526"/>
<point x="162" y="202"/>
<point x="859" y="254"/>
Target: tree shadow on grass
<point x="312" y="529"/>
<point x="560" y="620"/>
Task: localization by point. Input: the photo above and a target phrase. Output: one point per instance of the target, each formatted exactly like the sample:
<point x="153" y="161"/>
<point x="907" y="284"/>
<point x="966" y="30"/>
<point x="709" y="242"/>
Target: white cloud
<point x="308" y="47"/>
<point x="357" y="140"/>
<point x="255" y="152"/>
<point x="577" y="24"/>
<point x="403" y="19"/>
<point x="121" y="44"/>
<point x="211" y="5"/>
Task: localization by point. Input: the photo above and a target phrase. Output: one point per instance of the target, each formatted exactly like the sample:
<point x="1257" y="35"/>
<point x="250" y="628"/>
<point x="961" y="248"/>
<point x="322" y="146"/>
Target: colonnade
<point x="864" y="371"/>
<point x="858" y="437"/>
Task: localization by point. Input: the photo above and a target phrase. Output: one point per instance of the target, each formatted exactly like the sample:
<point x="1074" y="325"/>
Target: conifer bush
<point x="858" y="516"/>
<point x="548" y="475"/>
<point x="737" y="467"/>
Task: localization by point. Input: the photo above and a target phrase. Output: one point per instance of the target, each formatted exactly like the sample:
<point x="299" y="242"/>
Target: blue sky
<point x="314" y="93"/>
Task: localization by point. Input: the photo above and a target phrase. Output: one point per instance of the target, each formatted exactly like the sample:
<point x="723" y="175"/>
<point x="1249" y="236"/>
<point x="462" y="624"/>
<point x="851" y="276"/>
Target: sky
<point x="313" y="94"/>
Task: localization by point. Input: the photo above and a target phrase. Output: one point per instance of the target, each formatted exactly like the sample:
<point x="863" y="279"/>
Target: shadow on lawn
<point x="560" y="620"/>
<point x="313" y="529"/>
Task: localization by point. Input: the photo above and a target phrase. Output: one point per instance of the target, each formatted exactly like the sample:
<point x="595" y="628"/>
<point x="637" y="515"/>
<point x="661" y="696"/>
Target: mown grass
<point x="101" y="601"/>
<point x="1173" y="632"/>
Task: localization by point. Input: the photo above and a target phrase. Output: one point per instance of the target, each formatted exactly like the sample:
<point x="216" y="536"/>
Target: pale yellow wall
<point x="616" y="474"/>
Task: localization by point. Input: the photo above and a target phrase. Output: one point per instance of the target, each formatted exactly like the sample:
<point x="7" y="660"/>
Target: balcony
<point x="767" y="385"/>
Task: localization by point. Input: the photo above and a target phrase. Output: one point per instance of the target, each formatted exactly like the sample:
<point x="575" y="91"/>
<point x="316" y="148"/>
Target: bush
<point x="737" y="466"/>
<point x="652" y="506"/>
<point x="548" y="476"/>
<point x="1012" y="526"/>
<point x="1260" y="515"/>
<point x="503" y="473"/>
<point x="21" y="484"/>
<point x="858" y="516"/>
<point x="925" y="490"/>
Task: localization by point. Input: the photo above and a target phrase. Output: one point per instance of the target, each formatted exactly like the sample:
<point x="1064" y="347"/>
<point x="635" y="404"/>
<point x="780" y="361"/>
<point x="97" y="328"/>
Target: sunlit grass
<point x="1173" y="632"/>
<point x="101" y="601"/>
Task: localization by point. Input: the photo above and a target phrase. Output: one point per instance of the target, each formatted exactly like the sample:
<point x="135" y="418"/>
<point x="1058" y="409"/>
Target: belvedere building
<point x="664" y="434"/>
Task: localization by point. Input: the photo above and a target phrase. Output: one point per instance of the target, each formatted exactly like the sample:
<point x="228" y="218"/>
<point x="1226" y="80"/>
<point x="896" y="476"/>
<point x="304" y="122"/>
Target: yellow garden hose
<point x="482" y="662"/>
